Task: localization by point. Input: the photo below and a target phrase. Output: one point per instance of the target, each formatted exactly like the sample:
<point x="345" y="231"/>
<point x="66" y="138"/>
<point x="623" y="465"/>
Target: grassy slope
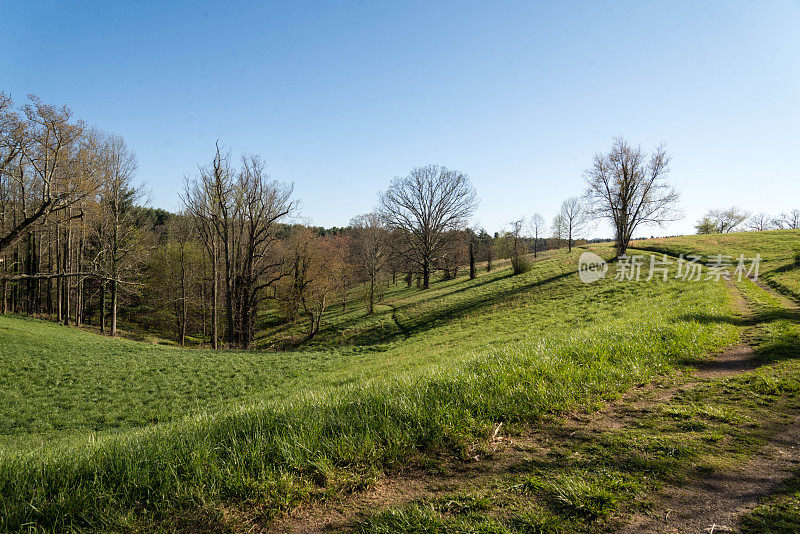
<point x="461" y="356"/>
<point x="588" y="481"/>
<point x="777" y="249"/>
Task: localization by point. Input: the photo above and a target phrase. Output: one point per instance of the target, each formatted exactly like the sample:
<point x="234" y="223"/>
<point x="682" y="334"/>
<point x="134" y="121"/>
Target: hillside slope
<point x="429" y="374"/>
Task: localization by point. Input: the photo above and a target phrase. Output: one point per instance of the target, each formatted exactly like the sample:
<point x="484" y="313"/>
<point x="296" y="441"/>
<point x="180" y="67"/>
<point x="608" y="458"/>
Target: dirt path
<point x="711" y="504"/>
<point x="503" y="456"/>
<point x="715" y="503"/>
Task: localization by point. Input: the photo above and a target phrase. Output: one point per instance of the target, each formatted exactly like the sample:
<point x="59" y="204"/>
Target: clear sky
<point x="338" y="97"/>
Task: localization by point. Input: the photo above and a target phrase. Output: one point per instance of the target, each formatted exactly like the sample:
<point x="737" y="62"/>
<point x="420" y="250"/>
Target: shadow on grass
<point x="781" y="346"/>
<point x="443" y="314"/>
<point x="780" y="511"/>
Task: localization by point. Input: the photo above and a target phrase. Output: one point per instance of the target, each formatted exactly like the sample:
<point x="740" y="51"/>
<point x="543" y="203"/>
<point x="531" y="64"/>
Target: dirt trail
<point x="715" y="503"/>
<point x="712" y="504"/>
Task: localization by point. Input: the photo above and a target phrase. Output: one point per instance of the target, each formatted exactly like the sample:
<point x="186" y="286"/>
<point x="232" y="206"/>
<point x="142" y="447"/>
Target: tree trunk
<point x="426" y="275"/>
<point x="472" y="273"/>
<point x="67" y="266"/>
<point x="183" y="306"/>
<point x="214" y="297"/>
<point x="114" y="301"/>
<point x="103" y="289"/>
<point x="371" y="308"/>
<point x="59" y="281"/>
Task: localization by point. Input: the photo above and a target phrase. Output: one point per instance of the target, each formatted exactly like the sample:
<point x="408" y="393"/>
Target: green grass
<point x="779" y="514"/>
<point x="176" y="430"/>
<point x="588" y="481"/>
<point x="777" y="249"/>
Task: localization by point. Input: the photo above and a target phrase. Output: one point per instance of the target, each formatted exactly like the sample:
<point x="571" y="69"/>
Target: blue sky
<point x="339" y="97"/>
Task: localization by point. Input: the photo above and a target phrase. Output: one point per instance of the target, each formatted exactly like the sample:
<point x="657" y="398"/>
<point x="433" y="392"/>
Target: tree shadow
<point x="781" y="346"/>
<point x="445" y="313"/>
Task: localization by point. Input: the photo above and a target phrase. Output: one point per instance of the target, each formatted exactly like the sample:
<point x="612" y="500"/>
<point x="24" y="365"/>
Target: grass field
<point x="109" y="434"/>
<point x="779" y="251"/>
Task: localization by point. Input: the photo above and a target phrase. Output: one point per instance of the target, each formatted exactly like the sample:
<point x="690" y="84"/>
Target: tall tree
<point x="41" y="140"/>
<point x="118" y="196"/>
<point x="572" y="216"/>
<point x="425" y="207"/>
<point x="629" y="189"/>
<point x="243" y="208"/>
<point x="537" y="226"/>
<point x="369" y="247"/>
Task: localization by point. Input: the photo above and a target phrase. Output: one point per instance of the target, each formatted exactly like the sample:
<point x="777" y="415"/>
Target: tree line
<point x="78" y="246"/>
<point x="722" y="221"/>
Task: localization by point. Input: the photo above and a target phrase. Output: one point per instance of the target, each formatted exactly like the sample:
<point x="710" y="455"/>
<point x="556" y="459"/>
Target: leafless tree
<point x="425" y="207"/>
<point x="559" y="227"/>
<point x="760" y="222"/>
<point x="788" y="220"/>
<point x="42" y="140"/>
<point x="242" y="209"/>
<point x="199" y="201"/>
<point x="537" y="226"/>
<point x="118" y="195"/>
<point x="629" y="189"/>
<point x="722" y="221"/>
<point x="572" y="217"/>
<point x="369" y="247"/>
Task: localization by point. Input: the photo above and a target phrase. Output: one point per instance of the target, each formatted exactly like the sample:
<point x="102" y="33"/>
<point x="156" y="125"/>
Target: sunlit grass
<point x="271" y="426"/>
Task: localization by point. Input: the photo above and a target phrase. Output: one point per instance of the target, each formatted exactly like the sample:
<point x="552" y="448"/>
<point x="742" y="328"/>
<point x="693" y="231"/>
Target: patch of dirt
<point x="399" y="489"/>
<point x="716" y="502"/>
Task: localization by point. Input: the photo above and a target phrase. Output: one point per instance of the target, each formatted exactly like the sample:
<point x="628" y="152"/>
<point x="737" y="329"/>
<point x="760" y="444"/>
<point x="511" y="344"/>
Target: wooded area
<point x="78" y="246"/>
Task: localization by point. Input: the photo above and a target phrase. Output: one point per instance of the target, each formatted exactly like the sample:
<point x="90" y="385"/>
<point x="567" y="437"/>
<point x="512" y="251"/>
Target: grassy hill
<point x="106" y="434"/>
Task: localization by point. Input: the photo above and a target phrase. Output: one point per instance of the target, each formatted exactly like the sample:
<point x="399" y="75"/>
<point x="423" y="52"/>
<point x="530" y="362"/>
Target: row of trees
<point x="721" y="221"/>
<point x="75" y="245"/>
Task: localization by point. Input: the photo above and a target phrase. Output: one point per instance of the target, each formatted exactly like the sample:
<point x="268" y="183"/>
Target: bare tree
<point x="425" y="207"/>
<point x="629" y="189"/>
<point x="369" y="250"/>
<point x="242" y="209"/>
<point x="572" y="217"/>
<point x="118" y="196"/>
<point x="721" y="221"/>
<point x="559" y="229"/>
<point x="42" y="140"/>
<point x="537" y="225"/>
<point x="788" y="220"/>
<point x="760" y="222"/>
<point x="198" y="199"/>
